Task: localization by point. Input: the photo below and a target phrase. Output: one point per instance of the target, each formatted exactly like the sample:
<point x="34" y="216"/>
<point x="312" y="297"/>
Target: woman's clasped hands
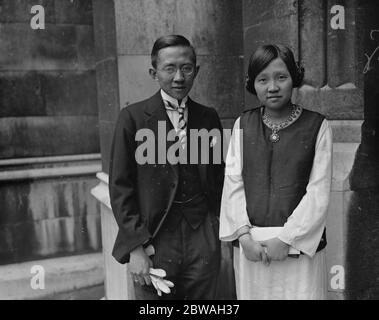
<point x="265" y="251"/>
<point x="253" y="250"/>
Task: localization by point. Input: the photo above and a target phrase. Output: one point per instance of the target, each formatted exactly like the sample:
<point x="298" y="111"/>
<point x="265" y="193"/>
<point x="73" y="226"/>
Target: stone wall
<point x="333" y="83"/>
<point x="47" y="80"/>
<point x="48" y="110"/>
<point x="48" y="216"/>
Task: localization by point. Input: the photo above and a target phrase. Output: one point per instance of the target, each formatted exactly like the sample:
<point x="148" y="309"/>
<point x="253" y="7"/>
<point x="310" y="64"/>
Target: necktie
<point x="182" y="124"/>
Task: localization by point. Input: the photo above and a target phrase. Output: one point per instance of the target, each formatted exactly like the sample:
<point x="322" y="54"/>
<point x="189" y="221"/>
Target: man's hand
<point x="276" y="249"/>
<point x="139" y="266"/>
<point x="253" y="249"/>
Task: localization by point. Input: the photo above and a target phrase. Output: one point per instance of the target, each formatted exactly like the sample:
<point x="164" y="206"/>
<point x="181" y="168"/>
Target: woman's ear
<point x="249" y="85"/>
<point x="153" y="73"/>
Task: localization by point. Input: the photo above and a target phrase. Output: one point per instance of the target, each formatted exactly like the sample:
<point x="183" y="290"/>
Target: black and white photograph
<point x="208" y="151"/>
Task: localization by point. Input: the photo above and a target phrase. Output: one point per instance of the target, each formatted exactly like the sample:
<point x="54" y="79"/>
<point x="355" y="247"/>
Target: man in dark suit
<point x="169" y="202"/>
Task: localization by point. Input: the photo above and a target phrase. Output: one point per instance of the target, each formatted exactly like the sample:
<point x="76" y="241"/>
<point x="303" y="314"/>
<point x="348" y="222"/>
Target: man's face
<point x="175" y="71"/>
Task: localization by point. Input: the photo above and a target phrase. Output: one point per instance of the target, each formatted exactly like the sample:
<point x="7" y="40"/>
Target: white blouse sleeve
<point x="233" y="213"/>
<point x="304" y="228"/>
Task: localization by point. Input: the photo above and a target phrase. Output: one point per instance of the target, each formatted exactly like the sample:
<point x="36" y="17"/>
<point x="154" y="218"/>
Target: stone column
<point x="125" y="31"/>
<point x="107" y="74"/>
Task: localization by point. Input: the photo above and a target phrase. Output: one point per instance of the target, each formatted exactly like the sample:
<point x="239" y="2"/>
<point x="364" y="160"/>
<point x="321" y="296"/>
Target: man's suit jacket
<point x="142" y="195"/>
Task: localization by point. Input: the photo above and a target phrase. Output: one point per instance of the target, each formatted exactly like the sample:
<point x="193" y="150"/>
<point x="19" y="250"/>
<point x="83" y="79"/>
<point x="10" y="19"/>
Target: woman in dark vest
<point x="277" y="186"/>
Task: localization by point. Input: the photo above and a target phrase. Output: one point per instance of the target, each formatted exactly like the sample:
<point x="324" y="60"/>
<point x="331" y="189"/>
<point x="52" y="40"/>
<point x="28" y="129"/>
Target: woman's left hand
<point x="276" y="249"/>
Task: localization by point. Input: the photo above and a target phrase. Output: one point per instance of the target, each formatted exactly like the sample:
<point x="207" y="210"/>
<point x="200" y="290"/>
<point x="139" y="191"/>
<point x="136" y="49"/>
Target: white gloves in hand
<point x="157" y="276"/>
<point x="158" y="281"/>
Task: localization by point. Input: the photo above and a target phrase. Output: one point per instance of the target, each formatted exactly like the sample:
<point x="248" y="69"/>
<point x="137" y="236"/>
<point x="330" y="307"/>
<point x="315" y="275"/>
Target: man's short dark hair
<point x="263" y="56"/>
<point x="172" y="40"/>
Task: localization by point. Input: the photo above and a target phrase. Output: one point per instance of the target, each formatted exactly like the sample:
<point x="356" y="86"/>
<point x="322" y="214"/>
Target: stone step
<point x="52" y="277"/>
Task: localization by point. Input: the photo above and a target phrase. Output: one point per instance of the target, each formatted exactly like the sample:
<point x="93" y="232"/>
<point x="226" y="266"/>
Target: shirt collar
<point x="172" y="100"/>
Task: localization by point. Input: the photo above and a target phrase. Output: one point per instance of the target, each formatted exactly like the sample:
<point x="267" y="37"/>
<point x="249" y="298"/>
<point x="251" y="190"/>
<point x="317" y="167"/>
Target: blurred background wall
<point x="49" y="137"/>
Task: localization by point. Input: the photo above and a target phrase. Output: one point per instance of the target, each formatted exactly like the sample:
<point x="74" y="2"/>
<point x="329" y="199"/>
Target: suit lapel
<point x="196" y="120"/>
<point x="156" y="114"/>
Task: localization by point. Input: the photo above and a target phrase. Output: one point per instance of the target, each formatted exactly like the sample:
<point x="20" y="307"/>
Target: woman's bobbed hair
<point x="263" y="56"/>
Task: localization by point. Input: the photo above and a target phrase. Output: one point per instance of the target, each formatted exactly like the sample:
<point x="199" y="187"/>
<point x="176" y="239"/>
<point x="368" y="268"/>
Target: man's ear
<point x="153" y="73"/>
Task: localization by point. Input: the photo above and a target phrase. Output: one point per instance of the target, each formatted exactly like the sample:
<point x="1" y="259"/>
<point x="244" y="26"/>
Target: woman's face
<point x="274" y="85"/>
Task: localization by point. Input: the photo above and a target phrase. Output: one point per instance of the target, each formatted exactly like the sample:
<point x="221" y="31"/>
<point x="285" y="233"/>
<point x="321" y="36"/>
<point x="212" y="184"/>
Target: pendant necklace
<point x="275" y="128"/>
